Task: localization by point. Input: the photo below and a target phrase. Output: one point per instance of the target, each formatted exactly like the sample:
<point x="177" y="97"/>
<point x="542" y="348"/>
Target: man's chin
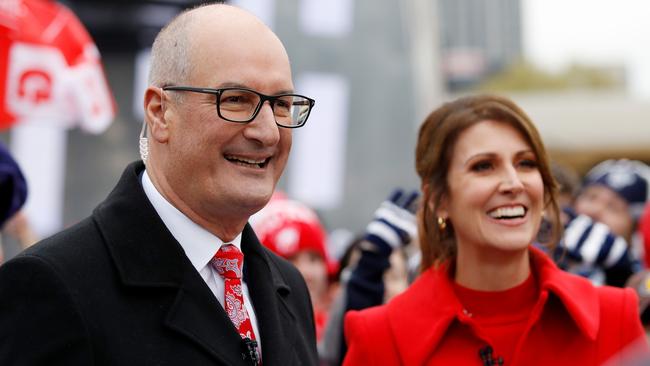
<point x="257" y="201"/>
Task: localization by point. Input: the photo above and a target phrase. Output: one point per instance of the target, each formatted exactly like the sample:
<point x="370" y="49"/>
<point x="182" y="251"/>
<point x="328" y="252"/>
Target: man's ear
<point x="154" y="114"/>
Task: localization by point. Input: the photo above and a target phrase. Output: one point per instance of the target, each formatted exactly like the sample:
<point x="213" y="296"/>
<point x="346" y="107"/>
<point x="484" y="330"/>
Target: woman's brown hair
<point x="436" y="140"/>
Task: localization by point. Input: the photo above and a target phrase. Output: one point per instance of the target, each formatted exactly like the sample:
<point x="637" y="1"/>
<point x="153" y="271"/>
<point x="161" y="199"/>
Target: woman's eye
<point x="481" y="166"/>
<point x="528" y="163"/>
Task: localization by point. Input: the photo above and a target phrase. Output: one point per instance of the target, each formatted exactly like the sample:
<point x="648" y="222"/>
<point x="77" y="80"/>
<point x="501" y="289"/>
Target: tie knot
<point x="228" y="261"/>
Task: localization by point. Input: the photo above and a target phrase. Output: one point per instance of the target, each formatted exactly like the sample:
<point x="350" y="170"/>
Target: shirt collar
<point x="199" y="244"/>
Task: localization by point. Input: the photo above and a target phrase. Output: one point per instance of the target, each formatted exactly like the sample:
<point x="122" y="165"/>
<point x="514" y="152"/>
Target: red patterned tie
<point x="228" y="262"/>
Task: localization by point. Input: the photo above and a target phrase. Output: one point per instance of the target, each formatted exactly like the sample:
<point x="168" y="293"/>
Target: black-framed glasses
<point x="242" y="105"/>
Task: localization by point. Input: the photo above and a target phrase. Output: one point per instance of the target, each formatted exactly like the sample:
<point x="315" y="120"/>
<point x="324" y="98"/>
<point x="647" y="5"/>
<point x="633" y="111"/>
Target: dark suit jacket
<point x="117" y="289"/>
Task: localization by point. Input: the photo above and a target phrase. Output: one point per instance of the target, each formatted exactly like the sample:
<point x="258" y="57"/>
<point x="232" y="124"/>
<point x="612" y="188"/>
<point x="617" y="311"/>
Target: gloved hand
<point x="394" y="222"/>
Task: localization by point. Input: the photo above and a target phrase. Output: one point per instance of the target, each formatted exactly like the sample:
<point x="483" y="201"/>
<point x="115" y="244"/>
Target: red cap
<point x="288" y="227"/>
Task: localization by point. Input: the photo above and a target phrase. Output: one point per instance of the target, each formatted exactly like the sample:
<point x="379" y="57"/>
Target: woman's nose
<point x="511" y="181"/>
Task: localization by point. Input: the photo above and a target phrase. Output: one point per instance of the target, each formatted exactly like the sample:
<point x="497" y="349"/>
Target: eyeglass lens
<point x="240" y="105"/>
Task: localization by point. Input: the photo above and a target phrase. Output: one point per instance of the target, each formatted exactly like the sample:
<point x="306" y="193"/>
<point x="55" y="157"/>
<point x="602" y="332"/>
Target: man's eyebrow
<point x="231" y="84"/>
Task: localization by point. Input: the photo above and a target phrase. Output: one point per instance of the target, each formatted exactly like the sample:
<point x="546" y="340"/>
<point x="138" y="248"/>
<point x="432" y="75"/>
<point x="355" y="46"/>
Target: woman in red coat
<point x="486" y="296"/>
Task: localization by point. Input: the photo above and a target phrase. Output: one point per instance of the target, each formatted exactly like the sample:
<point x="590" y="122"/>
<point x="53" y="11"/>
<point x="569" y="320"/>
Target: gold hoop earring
<point x="442" y="223"/>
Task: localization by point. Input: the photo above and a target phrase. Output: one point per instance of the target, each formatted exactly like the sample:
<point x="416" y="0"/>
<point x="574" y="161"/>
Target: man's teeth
<point x="508" y="212"/>
<point x="247" y="162"/>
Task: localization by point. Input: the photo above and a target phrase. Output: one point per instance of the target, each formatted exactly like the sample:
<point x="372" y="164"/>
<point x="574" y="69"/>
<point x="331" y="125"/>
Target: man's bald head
<point x="172" y="53"/>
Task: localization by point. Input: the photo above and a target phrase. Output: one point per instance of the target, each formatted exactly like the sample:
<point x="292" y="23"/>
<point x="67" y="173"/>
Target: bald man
<point x="154" y="276"/>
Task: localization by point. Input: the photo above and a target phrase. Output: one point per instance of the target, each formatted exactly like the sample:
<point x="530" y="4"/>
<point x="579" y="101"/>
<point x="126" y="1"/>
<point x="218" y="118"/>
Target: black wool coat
<point x="117" y="289"/>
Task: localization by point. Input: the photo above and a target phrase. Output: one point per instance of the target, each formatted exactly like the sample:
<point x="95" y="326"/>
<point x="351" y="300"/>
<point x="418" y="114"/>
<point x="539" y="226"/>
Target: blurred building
<point x="478" y="38"/>
<point x="124" y="26"/>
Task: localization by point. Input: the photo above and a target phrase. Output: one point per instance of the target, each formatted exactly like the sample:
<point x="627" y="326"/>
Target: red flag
<point x="50" y="69"/>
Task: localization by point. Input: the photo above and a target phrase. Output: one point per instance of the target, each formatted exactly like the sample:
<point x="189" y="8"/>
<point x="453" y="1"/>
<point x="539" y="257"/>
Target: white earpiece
<point x="144" y="143"/>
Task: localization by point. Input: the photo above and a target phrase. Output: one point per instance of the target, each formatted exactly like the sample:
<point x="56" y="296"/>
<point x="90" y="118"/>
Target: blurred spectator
<point x="644" y="230"/>
<point x="19" y="228"/>
<point x="13" y="189"/>
<point x="374" y="268"/>
<point x="591" y="249"/>
<point x="392" y="228"/>
<point x="641" y="281"/>
<point x="293" y="231"/>
<point x="600" y="226"/>
<point x="568" y="184"/>
<point x="12" y="186"/>
<point x="396" y="277"/>
<point x="614" y="192"/>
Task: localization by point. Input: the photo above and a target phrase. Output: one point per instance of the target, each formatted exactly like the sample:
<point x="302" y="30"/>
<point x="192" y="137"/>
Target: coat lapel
<point x="430" y="300"/>
<point x="268" y="291"/>
<point x="198" y="316"/>
<point x="146" y="255"/>
<point x="577" y="294"/>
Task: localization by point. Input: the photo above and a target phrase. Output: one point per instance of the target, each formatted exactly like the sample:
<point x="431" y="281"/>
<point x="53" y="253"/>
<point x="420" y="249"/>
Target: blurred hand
<point x="394" y="222"/>
<point x="19" y="228"/>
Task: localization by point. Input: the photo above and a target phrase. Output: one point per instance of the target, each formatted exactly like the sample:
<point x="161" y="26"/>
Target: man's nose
<point x="263" y="128"/>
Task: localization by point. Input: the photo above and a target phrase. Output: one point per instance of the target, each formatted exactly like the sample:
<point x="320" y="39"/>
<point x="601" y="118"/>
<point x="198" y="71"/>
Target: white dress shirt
<point x="199" y="245"/>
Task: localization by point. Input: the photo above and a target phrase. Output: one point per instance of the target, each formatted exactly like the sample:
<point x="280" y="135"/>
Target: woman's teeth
<point x="508" y="212"/>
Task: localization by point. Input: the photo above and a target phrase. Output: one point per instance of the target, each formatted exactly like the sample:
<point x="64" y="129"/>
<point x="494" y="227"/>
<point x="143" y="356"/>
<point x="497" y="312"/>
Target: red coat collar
<point x="432" y="301"/>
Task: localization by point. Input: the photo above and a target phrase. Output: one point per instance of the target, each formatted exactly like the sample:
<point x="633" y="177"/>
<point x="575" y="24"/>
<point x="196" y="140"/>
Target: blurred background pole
<point x="420" y="19"/>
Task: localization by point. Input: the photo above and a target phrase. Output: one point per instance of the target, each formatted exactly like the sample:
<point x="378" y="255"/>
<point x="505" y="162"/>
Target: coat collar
<point x="141" y="246"/>
<point x="432" y="298"/>
<point x="577" y="294"/>
<point x="146" y="254"/>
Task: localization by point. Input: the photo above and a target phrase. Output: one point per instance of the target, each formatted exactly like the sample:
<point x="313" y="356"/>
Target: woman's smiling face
<point x="495" y="190"/>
